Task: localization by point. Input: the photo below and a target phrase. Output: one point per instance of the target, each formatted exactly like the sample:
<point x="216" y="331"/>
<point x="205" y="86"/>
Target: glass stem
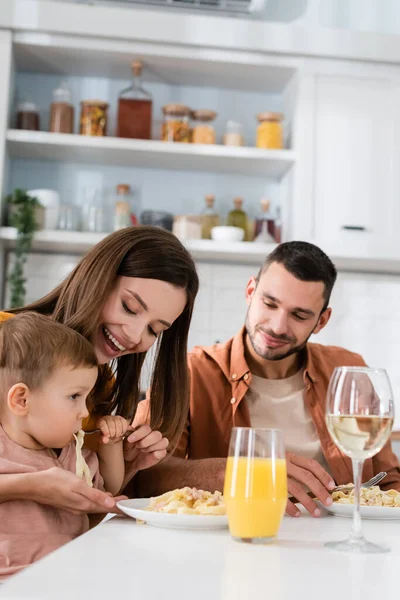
<point x="356" y="532"/>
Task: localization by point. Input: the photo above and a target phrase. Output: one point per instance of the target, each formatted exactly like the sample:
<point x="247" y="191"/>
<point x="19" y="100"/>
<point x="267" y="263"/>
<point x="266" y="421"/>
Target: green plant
<point x="23" y="217"/>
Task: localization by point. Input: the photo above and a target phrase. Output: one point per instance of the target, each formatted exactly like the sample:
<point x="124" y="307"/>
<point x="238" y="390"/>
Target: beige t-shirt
<point x="279" y="403"/>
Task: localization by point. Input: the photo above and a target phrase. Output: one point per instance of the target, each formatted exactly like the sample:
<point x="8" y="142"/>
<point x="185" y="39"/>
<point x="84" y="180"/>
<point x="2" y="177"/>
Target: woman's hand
<point x="63" y="489"/>
<point x="144" y="448"/>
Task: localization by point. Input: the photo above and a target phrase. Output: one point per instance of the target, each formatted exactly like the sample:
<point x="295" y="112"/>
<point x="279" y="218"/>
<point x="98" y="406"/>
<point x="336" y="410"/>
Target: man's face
<point x="283" y="312"/>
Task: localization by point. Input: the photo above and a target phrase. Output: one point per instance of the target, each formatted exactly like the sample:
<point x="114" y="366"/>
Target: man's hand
<point x="306" y="472"/>
<point x="144" y="448"/>
<point x="62" y="489"/>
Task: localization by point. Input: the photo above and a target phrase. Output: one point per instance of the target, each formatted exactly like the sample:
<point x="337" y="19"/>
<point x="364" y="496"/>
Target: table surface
<point x="120" y="558"/>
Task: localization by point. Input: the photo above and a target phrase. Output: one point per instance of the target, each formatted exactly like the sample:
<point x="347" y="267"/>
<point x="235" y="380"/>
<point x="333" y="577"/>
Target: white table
<point x="120" y="559"/>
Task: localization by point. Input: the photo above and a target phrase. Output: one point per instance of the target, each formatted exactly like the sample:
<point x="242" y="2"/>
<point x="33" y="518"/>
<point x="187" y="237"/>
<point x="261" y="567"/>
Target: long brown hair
<point x="144" y="252"/>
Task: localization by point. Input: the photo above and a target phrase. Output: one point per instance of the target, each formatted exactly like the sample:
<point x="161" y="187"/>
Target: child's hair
<point x="32" y="346"/>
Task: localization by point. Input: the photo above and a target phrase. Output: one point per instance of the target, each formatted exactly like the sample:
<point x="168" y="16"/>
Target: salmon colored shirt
<point x="30" y="530"/>
<point x="220" y="379"/>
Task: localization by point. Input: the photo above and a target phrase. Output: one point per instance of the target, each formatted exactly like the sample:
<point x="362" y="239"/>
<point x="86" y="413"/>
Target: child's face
<point x="57" y="408"/>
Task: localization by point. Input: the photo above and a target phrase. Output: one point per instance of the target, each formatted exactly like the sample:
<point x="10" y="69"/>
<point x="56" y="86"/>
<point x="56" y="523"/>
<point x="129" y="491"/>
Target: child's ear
<point x="18" y="399"/>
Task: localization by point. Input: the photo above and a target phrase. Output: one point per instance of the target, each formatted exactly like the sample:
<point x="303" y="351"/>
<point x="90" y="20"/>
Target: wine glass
<point x="359" y="416"/>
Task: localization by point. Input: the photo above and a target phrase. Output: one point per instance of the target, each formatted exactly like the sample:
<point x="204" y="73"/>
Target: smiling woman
<point x="135" y="288"/>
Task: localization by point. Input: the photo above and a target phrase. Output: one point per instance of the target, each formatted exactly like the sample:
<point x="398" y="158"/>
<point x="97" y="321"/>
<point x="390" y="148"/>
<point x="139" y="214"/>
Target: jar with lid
<point x="122" y="211"/>
<point x="93" y="118"/>
<point x="233" y="135"/>
<point x="61" y="111"/>
<point x="28" y="116"/>
<point x="203" y="131"/>
<point x="135" y="108"/>
<point x="269" y="130"/>
<point x="175" y="126"/>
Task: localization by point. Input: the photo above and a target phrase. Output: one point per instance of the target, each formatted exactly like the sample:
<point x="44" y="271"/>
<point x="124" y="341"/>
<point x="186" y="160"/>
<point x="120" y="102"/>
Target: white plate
<point x="134" y="508"/>
<point x="367" y="512"/>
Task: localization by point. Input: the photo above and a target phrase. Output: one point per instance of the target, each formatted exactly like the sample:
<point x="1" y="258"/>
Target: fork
<point x="126" y="434"/>
<point x="345" y="488"/>
<point x="370" y="483"/>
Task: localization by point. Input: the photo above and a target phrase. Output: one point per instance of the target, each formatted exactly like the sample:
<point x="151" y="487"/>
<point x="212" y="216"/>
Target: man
<point x="269" y="375"/>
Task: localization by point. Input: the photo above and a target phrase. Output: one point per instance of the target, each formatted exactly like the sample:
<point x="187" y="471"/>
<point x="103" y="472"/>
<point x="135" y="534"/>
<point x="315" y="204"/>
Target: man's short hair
<point x="306" y="262"/>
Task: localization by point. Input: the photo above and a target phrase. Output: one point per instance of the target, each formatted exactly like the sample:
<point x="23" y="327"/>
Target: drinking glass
<point x="255" y="484"/>
<point x="359" y="416"/>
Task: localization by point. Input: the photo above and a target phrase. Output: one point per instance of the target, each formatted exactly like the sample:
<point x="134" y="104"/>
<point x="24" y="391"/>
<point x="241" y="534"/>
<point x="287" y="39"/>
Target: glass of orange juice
<point x="255" y="488"/>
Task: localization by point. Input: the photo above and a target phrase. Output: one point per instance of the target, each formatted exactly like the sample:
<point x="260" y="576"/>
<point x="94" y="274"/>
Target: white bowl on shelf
<point x="224" y="233"/>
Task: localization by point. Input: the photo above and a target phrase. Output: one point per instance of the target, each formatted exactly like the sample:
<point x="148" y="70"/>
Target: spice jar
<point x="61" y="111"/>
<point x="28" y="116"/>
<point x="233" y="135"/>
<point x="175" y="126"/>
<point x="269" y="130"/>
<point x="203" y="132"/>
<point x="93" y="117"/>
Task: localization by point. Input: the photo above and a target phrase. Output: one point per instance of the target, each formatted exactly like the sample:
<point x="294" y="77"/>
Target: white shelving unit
<point x="148" y="154"/>
<point x="78" y="242"/>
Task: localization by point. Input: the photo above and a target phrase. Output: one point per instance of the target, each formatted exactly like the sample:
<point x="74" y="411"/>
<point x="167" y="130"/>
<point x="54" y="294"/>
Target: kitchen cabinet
<point x="355" y="158"/>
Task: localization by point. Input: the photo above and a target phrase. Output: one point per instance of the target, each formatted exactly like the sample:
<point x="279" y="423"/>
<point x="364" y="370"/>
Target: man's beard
<point x="270" y="354"/>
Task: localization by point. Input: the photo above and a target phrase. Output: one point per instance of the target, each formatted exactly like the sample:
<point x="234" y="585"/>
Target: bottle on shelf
<point x="209" y="217"/>
<point x="237" y="217"/>
<point x="265" y="223"/>
<point x="61" y="110"/>
<point x="278" y="226"/>
<point x="92" y="212"/>
<point x="123" y="216"/>
<point x="135" y="106"/>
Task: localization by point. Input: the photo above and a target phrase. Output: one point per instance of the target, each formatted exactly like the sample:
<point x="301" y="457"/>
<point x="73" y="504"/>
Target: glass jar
<point x="61" y="111"/>
<point x="122" y="210"/>
<point x="93" y="118"/>
<point x="175" y="126"/>
<point x="270" y="131"/>
<point x="233" y="135"/>
<point x="28" y="116"/>
<point x="202" y="130"/>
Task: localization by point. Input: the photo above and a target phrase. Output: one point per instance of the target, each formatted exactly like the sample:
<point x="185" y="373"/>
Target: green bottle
<point x="238" y="218"/>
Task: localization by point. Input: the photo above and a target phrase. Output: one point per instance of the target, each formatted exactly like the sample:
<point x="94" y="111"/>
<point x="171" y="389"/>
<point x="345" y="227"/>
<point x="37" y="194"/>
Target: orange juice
<point x="255" y="494"/>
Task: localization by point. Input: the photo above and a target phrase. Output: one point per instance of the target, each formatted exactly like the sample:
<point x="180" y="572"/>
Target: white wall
<point x="366" y="310"/>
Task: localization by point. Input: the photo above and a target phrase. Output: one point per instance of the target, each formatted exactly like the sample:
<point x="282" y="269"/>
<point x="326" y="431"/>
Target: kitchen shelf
<point x="77" y="242"/>
<point x="148" y="153"/>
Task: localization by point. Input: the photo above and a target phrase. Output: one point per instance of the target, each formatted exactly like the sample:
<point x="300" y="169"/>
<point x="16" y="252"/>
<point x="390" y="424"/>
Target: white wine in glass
<point x="359" y="416"/>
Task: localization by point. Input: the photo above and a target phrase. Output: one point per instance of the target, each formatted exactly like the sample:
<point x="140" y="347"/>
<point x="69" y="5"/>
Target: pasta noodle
<point x="82" y="470"/>
<point x="189" y="501"/>
<point x="373" y="496"/>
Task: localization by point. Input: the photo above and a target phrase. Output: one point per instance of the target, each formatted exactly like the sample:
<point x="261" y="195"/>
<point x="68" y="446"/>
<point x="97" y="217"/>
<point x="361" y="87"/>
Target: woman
<point x="134" y="288"/>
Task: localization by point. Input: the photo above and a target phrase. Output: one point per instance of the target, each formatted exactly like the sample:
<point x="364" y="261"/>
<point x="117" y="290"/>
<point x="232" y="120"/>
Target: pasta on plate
<point x="188" y="501"/>
<point x="373" y="496"/>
